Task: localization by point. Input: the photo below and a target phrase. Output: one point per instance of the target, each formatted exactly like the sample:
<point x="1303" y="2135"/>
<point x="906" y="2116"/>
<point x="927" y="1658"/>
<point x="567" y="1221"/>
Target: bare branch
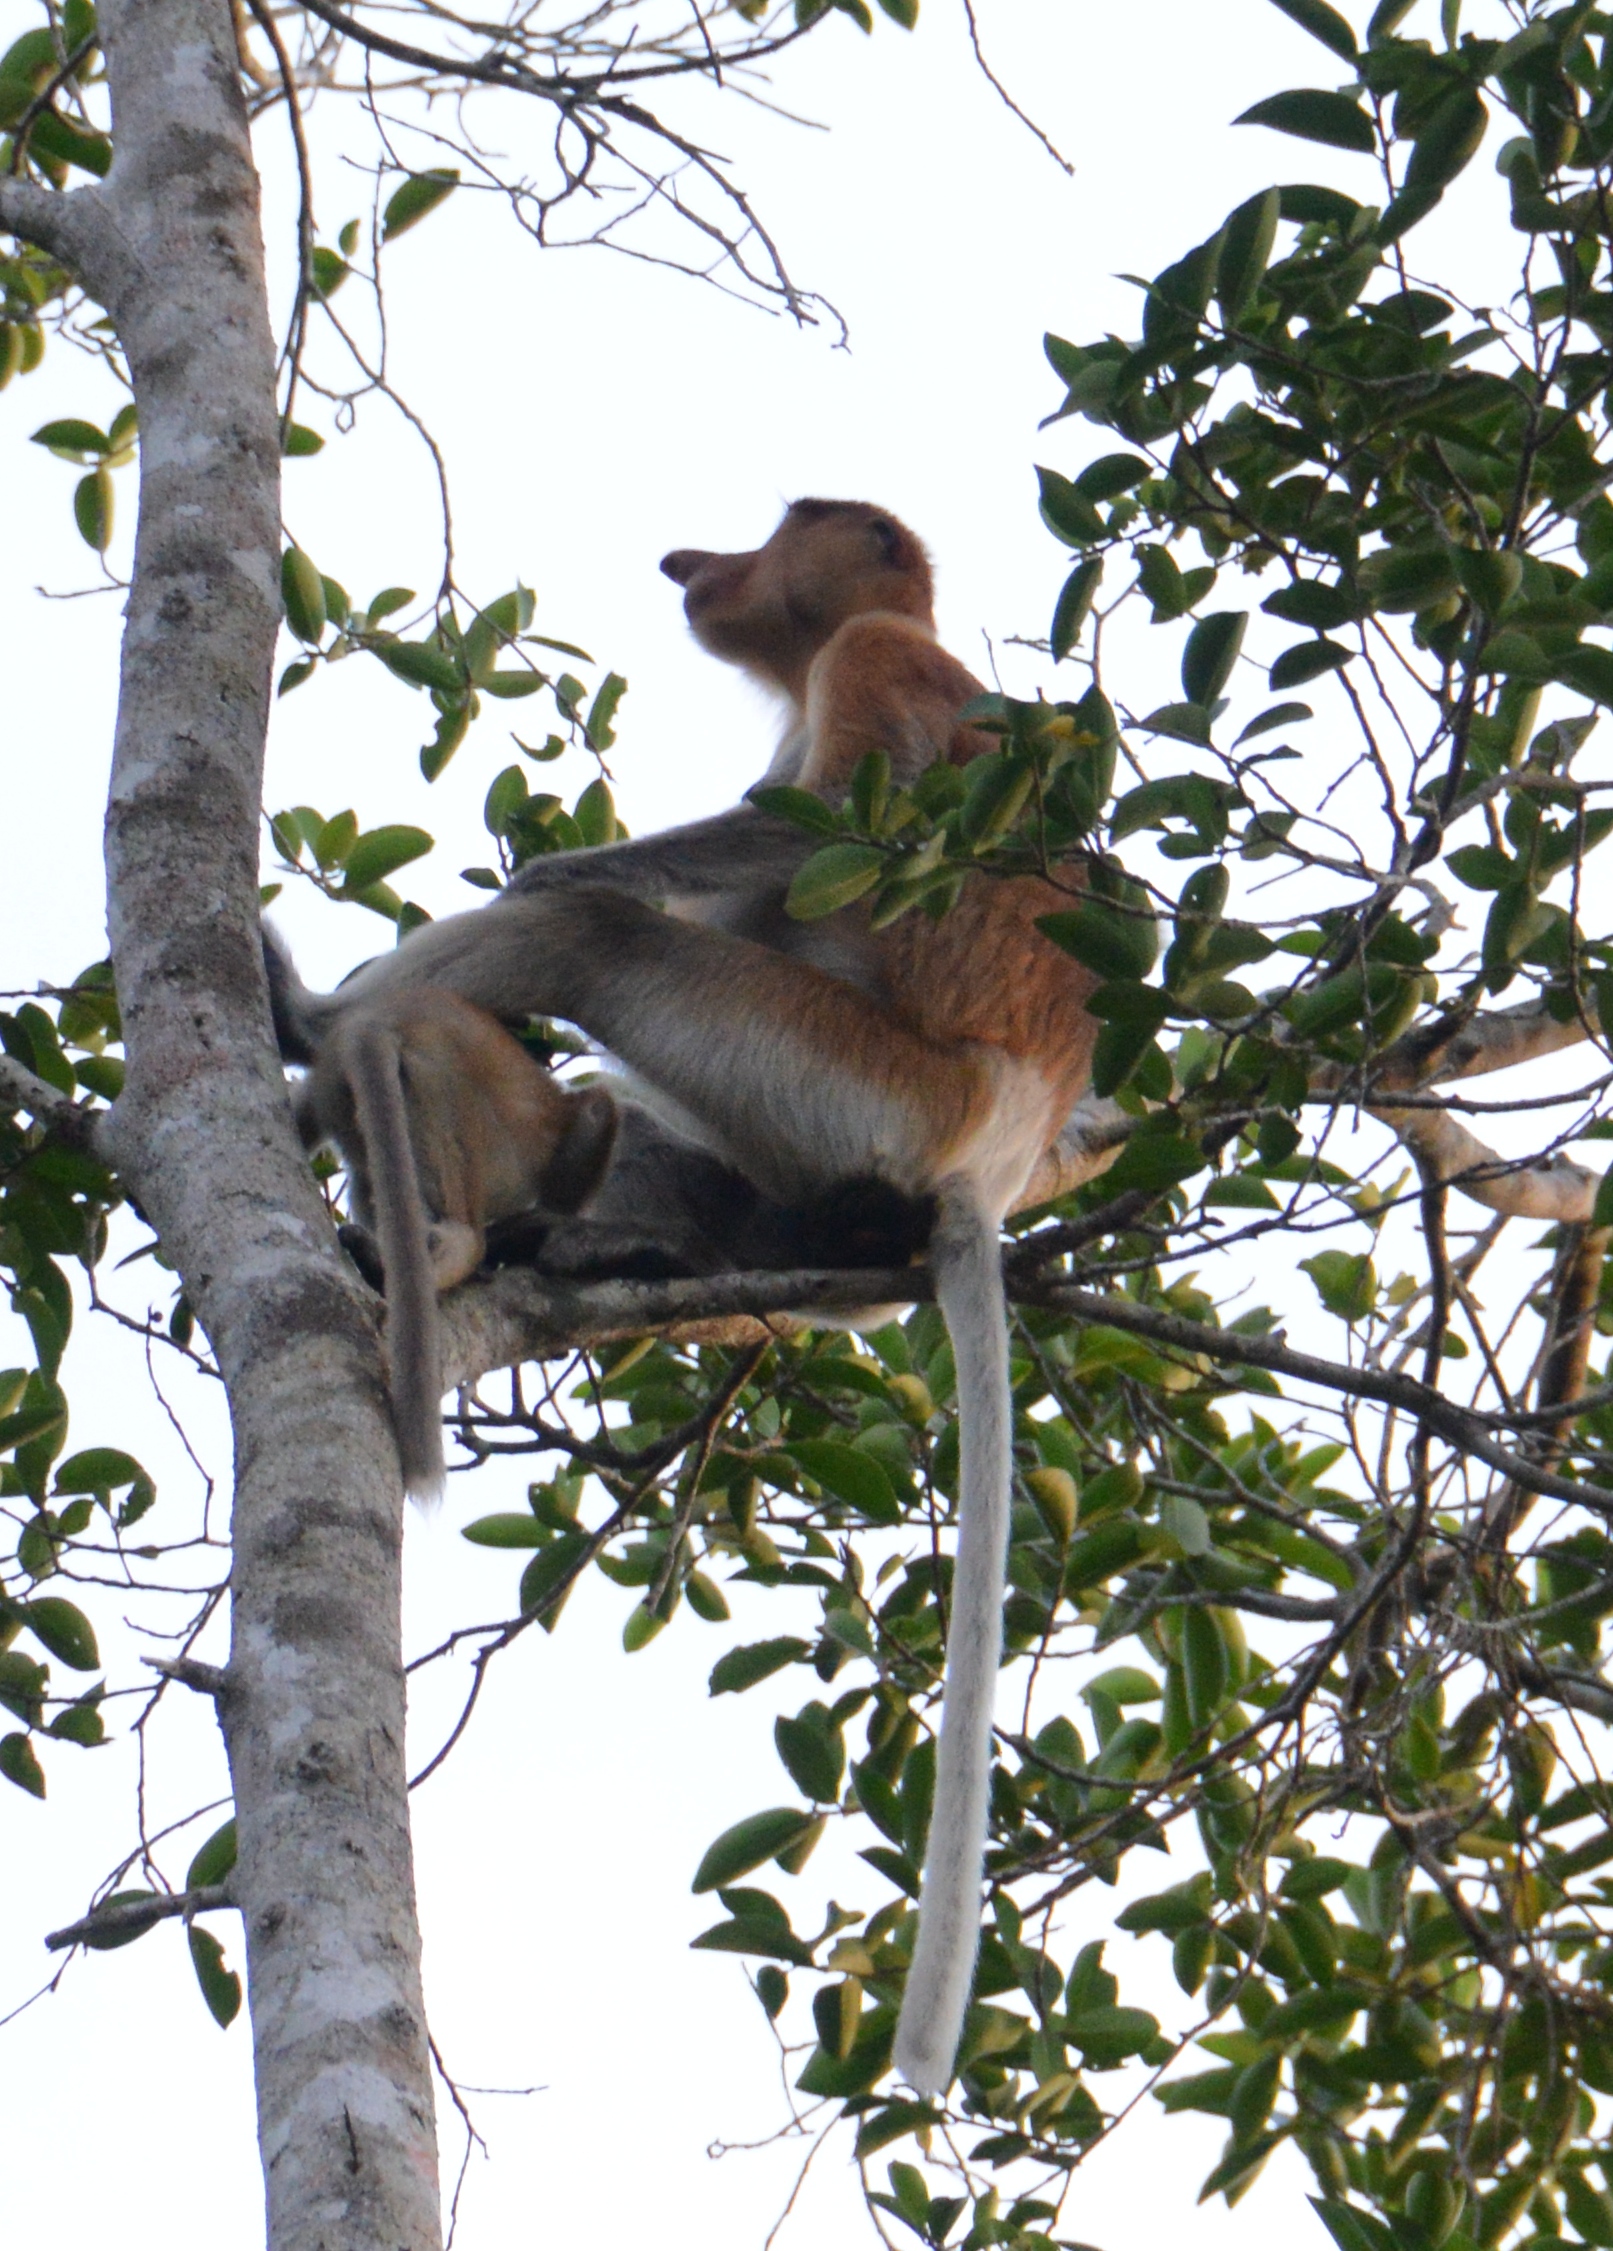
<point x="190" y="1672"/>
<point x="71" y="1121"/>
<point x="111" y="1925"/>
<point x="1551" y="1187"/>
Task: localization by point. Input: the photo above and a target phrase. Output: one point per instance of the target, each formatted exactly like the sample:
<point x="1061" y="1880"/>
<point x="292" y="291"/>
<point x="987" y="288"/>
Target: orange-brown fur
<point x="879" y="681"/>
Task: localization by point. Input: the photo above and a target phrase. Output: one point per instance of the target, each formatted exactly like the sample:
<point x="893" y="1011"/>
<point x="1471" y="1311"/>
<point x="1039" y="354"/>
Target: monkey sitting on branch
<point x="939" y="1057"/>
<point x="446" y="1126"/>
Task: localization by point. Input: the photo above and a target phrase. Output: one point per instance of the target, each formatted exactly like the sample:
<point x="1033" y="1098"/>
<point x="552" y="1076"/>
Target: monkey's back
<point x="985" y="972"/>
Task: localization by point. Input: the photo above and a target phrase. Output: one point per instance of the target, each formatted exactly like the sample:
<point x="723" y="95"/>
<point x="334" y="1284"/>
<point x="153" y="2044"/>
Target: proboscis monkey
<point x="937" y="1056"/>
<point x="446" y="1126"/>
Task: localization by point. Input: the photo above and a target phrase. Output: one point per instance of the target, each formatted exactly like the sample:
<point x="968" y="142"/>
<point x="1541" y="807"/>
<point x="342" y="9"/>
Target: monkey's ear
<point x="681" y="565"/>
<point x="582" y="1155"/>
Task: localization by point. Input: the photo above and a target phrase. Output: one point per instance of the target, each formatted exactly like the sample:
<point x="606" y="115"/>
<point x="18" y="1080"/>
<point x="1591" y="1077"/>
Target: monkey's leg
<point x="804" y="1080"/>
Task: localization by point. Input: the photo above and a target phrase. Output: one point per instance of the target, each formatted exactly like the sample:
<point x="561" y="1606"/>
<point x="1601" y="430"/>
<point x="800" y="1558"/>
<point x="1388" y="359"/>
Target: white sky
<point x="596" y="413"/>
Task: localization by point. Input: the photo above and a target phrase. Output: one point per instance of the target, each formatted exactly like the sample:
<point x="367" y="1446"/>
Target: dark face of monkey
<point x="773" y="609"/>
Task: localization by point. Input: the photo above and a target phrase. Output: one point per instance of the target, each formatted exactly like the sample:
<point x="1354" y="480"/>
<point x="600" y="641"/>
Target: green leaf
<point x="1117" y="946"/>
<point x="1113" y="474"/>
<point x="221" y="1988"/>
<point x="547" y="1570"/>
<point x="1067" y="512"/>
<point x="754" y="1934"/>
<point x="797" y="806"/>
<point x="598" y="726"/>
<point x="1481" y="867"/>
<point x="1113" y="2032"/>
<point x="595" y="813"/>
<point x="1280" y="715"/>
<point x="329" y="270"/>
<point x="73" y="439"/>
<point x="1314" y="1878"/>
<point x="757" y="1660"/>
<point x="1351" y="2229"/>
<point x="101" y="1469"/>
<point x="1246" y="247"/>
<point x="1204" y="1666"/>
<point x="79" y="1723"/>
<point x="1127" y="1035"/>
<point x="419" y="194"/>
<point x="1074" y="605"/>
<point x="1211" y="652"/>
<point x="299" y="442"/>
<point x="514" y="1528"/>
<point x="302" y="590"/>
<point x="214" y="1859"/>
<point x="1310" y="601"/>
<point x="93" y="508"/>
<point x="904" y="12"/>
<point x="1446" y="143"/>
<point x="813" y="1754"/>
<point x="18" y="1764"/>
<point x="1182" y="722"/>
<point x="1408" y="578"/>
<point x="422" y="664"/>
<point x="1311" y="114"/>
<point x="1305" y="204"/>
<point x="1154" y="1161"/>
<point x="54" y="135"/>
<point x="1162" y="582"/>
<point x="706" y="1599"/>
<point x="759" y="1837"/>
<point x="1346" y="1282"/>
<point x="1323" y="23"/>
<point x="380" y="852"/>
<point x="850" y="1475"/>
<point x="832" y="879"/>
<point x="643" y="1624"/>
<point x="1491" y="576"/>
<point x="1588" y="671"/>
<point x="62" y="1628"/>
<point x="1307" y="660"/>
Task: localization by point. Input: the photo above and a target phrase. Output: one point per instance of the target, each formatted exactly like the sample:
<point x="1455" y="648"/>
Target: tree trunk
<point x="313" y="1703"/>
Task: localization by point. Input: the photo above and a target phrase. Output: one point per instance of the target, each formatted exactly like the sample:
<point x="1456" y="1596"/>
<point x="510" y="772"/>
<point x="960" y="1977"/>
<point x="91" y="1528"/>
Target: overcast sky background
<point x="596" y="413"/>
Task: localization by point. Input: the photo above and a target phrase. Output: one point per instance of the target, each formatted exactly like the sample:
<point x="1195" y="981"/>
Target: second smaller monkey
<point x="446" y="1125"/>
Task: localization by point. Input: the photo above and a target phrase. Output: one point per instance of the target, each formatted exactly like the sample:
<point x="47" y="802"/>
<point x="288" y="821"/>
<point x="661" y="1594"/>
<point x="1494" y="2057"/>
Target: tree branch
<point x="1551" y="1187"/>
<point x="1434" y="1055"/>
<point x="80" y="228"/>
<point x="517" y="1315"/>
<point x="112" y="1925"/>
<point x="70" y="1121"/>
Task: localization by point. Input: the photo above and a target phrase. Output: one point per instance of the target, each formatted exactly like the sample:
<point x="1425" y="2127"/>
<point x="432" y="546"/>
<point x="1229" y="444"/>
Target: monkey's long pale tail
<point x="967" y="1265"/>
<point x="413" y="1338"/>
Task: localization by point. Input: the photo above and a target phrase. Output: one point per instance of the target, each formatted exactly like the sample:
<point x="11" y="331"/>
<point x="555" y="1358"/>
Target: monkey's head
<point x="773" y="608"/>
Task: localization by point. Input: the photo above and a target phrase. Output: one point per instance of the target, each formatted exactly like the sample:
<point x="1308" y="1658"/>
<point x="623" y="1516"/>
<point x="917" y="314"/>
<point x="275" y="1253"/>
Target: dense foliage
<point x="1336" y="1616"/>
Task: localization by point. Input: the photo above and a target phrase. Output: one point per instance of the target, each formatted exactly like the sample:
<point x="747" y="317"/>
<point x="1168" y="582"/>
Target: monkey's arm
<point x="739" y="850"/>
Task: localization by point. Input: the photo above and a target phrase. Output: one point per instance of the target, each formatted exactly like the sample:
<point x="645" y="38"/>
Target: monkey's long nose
<point x="681" y="565"/>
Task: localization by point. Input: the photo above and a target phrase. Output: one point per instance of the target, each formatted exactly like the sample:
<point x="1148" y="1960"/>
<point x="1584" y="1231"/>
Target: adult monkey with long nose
<point x="937" y="1056"/>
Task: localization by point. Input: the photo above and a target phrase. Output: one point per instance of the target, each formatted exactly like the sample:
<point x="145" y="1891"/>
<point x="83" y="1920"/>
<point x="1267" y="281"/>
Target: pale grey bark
<point x="312" y="1700"/>
<point x="1551" y="1187"/>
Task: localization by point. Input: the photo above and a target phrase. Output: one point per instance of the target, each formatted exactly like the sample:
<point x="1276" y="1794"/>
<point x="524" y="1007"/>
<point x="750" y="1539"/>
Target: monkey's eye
<point x="890" y="539"/>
